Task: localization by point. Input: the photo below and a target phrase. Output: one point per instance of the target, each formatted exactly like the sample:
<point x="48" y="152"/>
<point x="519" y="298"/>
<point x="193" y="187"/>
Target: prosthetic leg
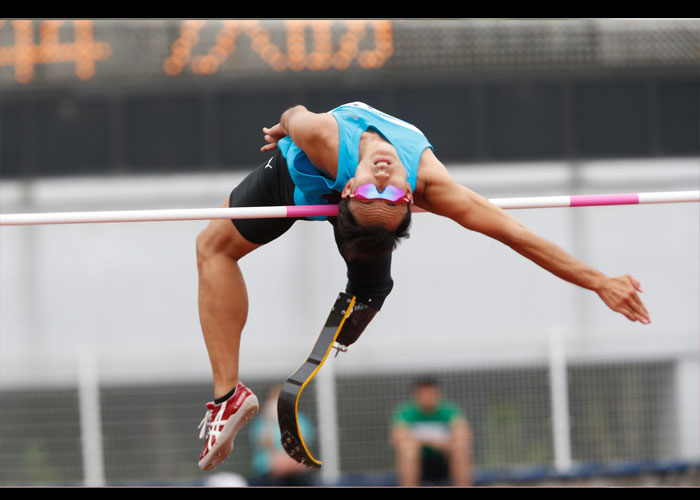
<point x="346" y="321"/>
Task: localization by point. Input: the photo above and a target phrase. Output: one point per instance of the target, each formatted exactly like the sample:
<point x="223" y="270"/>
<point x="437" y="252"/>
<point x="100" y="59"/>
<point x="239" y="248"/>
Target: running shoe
<point x="222" y="422"/>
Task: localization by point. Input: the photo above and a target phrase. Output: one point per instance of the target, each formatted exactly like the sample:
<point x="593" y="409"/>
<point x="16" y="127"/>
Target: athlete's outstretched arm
<point x="440" y="194"/>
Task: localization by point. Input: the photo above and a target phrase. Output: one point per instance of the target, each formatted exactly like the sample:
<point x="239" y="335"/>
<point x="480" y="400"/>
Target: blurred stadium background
<point x="103" y="372"/>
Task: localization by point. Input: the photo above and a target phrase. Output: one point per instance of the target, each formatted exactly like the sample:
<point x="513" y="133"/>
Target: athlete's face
<point x="380" y="166"/>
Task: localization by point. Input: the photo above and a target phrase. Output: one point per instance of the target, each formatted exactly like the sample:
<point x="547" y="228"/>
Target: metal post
<point x="90" y="419"/>
<point x="328" y="423"/>
<point x="560" y="401"/>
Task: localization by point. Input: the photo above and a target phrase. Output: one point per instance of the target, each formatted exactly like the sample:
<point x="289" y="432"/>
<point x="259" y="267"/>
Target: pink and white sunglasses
<point x="391" y="194"/>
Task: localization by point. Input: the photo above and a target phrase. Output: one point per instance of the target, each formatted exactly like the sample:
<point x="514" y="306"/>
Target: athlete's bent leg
<point x="223" y="299"/>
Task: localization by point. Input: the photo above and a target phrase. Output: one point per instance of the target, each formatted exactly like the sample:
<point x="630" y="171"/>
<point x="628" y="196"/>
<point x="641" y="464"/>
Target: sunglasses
<point x="391" y="194"/>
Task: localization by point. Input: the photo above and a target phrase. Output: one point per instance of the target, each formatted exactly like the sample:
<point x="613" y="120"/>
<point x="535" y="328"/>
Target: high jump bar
<point x="330" y="210"/>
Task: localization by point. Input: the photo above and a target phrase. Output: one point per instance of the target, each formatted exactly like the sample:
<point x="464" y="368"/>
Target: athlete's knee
<point x="209" y="242"/>
<point x="221" y="238"/>
<point x="370" y="280"/>
<point x="371" y="294"/>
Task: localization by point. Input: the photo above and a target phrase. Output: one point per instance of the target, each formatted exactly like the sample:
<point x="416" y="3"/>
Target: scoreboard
<point x="37" y="53"/>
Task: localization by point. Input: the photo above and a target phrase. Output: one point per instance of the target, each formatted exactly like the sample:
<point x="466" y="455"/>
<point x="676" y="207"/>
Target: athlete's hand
<point x="272" y="135"/>
<point x="620" y="294"/>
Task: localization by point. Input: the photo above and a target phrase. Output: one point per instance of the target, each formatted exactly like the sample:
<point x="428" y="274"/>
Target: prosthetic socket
<point x="354" y="325"/>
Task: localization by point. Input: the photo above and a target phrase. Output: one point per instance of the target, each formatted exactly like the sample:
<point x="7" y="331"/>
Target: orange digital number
<point x="24" y="55"/>
<point x="318" y="57"/>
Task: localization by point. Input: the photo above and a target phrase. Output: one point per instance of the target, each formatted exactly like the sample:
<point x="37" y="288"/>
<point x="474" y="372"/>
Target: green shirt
<point x="434" y="426"/>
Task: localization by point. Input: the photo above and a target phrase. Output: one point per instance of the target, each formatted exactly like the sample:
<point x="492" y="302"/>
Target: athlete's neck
<point x="370" y="140"/>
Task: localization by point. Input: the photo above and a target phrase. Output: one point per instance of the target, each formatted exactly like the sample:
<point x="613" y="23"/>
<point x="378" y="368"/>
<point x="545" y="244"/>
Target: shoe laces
<point x="206" y="423"/>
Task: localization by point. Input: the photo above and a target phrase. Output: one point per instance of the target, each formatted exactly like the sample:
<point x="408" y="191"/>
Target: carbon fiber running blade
<point x="288" y="402"/>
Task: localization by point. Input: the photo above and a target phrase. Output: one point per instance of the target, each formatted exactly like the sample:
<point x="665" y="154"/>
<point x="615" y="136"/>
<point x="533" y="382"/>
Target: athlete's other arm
<point x="437" y="192"/>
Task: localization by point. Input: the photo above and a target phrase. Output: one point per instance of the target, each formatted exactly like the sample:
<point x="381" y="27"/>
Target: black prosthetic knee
<point x="354" y="325"/>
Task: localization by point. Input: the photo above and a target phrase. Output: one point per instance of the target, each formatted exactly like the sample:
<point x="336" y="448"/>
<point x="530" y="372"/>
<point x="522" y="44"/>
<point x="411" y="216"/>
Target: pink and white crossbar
<point x="182" y="214"/>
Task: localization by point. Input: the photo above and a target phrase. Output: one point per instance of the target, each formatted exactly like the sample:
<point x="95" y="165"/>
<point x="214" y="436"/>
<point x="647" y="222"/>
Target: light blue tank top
<point x="353" y="119"/>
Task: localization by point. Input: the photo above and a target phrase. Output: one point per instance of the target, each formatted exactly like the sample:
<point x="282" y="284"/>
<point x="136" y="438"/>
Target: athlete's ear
<point x="347" y="190"/>
<point x="409" y="192"/>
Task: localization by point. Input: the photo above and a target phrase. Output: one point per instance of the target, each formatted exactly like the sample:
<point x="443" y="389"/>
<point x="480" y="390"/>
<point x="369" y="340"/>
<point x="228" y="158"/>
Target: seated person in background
<point x="432" y="439"/>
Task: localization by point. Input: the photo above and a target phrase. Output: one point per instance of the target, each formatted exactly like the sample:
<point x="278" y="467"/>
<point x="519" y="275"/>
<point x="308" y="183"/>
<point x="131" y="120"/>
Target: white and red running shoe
<point x="223" y="422"/>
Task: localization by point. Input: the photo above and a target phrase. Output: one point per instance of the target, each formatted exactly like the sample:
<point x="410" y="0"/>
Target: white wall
<point x="129" y="291"/>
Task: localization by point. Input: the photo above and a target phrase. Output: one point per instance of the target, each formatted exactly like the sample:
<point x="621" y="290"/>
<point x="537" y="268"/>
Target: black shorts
<point x="271" y="185"/>
<point x="268" y="185"/>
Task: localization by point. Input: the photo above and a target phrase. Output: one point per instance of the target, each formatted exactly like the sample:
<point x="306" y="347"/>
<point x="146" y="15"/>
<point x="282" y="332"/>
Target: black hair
<point x="360" y="242"/>
<point x="426" y="381"/>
